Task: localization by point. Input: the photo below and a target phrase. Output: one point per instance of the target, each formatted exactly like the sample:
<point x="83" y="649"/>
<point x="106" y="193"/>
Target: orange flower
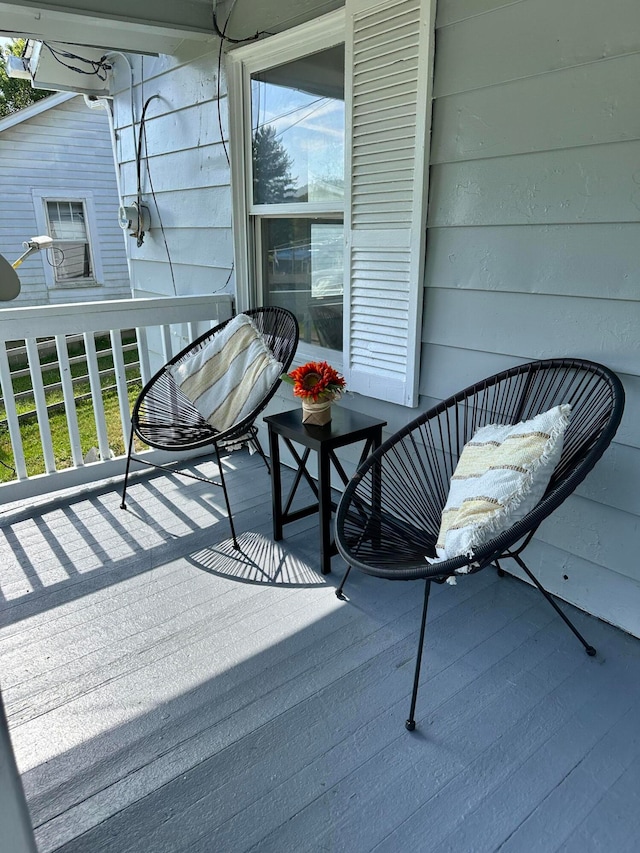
<point x="315" y="380"/>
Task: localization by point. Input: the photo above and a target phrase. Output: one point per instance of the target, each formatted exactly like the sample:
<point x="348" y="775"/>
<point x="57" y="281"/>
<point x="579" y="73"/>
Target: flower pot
<point x="316" y="414"/>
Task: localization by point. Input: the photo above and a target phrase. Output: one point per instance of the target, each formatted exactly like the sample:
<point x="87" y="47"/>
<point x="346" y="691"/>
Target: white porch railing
<point x="163" y="327"/>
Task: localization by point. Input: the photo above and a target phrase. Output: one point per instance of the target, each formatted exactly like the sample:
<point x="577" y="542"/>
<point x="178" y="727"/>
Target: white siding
<point x="184" y="172"/>
<point x="65" y="147"/>
<point x="185" y="154"/>
<point x="533" y="245"/>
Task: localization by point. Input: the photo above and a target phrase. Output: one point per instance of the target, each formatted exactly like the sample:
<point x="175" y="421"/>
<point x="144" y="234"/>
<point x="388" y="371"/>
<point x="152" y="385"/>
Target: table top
<point x="345" y="427"/>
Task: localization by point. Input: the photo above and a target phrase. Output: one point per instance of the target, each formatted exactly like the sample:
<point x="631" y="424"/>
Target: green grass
<point x="30" y="432"/>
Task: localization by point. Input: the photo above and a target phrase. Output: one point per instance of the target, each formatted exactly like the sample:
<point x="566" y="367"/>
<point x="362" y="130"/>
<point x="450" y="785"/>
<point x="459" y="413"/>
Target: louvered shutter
<point x="388" y="89"/>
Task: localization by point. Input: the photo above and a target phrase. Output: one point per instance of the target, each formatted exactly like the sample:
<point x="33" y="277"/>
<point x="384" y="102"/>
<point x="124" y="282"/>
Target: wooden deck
<point x="166" y="693"/>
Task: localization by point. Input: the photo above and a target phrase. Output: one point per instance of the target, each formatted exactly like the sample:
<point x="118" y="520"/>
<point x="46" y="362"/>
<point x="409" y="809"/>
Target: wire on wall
<point x="142" y="134"/>
<point x="98" y="68"/>
<point x="155" y="202"/>
<point x="222" y="34"/>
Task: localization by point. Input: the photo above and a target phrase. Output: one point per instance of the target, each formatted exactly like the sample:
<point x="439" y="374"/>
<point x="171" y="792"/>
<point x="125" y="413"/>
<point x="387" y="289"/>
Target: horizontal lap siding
<point x="184" y="172"/>
<point x="66" y="148"/>
<point x="533" y="244"/>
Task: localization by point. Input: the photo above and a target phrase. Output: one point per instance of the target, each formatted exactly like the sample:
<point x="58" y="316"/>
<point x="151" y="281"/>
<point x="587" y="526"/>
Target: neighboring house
<point x="499" y="227"/>
<point x="58" y="178"/>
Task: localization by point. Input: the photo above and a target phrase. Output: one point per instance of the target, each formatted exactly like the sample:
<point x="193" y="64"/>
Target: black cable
<point x="51" y="258"/>
<point x="222" y="33"/>
<point x="138" y="154"/>
<point x="155" y="201"/>
<point x="218" y="95"/>
<point x="8" y="467"/>
<point x="99" y="67"/>
<point x="142" y="133"/>
<point x="139" y="147"/>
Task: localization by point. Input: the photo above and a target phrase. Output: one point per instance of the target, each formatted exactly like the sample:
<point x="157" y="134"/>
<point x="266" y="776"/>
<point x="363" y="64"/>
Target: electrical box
<point x="135" y="218"/>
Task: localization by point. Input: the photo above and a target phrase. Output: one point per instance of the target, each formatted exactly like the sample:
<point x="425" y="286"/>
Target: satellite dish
<point x="9" y="281"/>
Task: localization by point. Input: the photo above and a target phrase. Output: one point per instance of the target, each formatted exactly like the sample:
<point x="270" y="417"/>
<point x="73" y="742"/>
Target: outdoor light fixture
<point x="9" y="281"/>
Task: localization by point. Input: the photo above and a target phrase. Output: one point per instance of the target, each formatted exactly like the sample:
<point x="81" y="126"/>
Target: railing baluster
<point x="69" y="402"/>
<point x="143" y="353"/>
<point x="80" y="321"/>
<point x="41" y="405"/>
<point x="96" y="394"/>
<point x="12" y="415"/>
<point x="165" y="334"/>
<point x="121" y="382"/>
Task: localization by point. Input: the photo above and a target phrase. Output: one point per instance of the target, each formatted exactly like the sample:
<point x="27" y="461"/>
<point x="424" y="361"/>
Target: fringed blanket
<point x="230" y="376"/>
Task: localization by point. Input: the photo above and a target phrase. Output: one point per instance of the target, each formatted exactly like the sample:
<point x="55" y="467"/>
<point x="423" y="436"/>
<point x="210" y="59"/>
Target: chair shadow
<point x="259" y="560"/>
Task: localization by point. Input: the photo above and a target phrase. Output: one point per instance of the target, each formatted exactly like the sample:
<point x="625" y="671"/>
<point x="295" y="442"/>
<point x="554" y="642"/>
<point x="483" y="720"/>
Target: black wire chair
<point x="388" y="519"/>
<point x="164" y="418"/>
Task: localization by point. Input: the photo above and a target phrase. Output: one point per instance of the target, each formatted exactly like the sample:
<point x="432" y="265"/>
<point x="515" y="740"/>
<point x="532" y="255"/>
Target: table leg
<point x="324" y="509"/>
<point x="276" y="485"/>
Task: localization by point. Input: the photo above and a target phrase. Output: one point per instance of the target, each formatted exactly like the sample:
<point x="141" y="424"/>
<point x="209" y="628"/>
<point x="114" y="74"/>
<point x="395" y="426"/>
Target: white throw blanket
<point x="230" y="376"/>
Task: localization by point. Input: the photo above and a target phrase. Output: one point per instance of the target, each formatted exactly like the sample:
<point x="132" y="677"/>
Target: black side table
<point x="346" y="427"/>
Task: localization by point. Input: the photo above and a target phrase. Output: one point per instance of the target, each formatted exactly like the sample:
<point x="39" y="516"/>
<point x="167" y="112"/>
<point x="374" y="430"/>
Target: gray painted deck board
<point x="167" y="694"/>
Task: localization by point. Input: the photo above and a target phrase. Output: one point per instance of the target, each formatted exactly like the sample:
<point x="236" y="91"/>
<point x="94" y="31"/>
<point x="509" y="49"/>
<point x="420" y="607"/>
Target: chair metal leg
<point x="339" y="591"/>
<point x="226" y="498"/>
<point x="590" y="650"/>
<point x="410" y="724"/>
<point x="123" y="504"/>
<point x="256" y="443"/>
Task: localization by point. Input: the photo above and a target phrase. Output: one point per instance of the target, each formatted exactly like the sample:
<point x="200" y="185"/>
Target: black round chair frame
<point x="388" y="518"/>
<point x="165" y="419"/>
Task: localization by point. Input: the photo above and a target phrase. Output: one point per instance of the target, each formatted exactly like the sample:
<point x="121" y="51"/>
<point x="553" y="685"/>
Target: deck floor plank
<point x="166" y="693"/>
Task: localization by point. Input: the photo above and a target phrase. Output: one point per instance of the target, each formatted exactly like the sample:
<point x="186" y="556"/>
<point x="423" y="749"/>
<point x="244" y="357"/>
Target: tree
<point x="272" y="181"/>
<point x="15" y="94"/>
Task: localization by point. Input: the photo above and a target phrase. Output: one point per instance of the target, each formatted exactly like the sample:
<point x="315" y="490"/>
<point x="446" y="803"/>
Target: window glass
<point x="67" y="226"/>
<point x="297" y="157"/>
<point x="303" y="270"/>
<point x="297" y="133"/>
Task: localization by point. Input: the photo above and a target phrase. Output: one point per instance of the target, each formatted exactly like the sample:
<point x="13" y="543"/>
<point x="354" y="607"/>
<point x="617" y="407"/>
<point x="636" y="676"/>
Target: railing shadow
<point x="75" y="545"/>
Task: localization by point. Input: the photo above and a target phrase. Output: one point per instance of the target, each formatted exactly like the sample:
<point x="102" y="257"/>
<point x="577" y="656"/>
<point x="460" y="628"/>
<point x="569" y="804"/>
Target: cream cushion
<point x="230" y="376"/>
<point x="502" y="473"/>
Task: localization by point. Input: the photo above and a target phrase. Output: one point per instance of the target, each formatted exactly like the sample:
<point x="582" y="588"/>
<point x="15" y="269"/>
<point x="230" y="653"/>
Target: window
<point x="67" y="226"/>
<point x="329" y="131"/>
<point x="297" y="188"/>
<point x="70" y="219"/>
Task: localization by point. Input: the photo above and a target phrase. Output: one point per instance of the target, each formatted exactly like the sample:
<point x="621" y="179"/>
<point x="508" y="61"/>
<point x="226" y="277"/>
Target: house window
<point x="67" y="226"/>
<point x="297" y="190"/>
<point x="329" y="130"/>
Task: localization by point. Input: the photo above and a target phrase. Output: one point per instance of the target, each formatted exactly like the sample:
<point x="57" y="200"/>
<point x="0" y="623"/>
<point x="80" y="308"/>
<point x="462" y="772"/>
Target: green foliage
<point x="16" y="94"/>
<point x="272" y="181"/>
<point x="29" y="430"/>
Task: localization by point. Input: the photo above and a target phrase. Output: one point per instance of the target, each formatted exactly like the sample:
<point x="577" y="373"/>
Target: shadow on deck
<point x="166" y="693"/>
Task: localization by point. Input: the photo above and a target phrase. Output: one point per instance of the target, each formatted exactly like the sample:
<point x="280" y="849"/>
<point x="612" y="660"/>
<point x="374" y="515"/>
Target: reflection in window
<point x="67" y="226"/>
<point x="298" y="130"/>
<point x="303" y="270"/>
<point x="297" y="145"/>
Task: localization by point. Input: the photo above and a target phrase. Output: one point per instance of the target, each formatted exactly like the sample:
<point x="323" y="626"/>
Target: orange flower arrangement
<point x="316" y="381"/>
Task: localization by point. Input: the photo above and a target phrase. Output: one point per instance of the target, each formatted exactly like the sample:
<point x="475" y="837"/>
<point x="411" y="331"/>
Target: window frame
<point x="40" y="199"/>
<point x="319" y="34"/>
<point x="385" y="228"/>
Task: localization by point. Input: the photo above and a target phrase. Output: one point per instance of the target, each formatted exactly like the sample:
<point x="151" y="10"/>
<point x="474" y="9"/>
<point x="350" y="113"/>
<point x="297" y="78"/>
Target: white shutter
<point x="389" y="50"/>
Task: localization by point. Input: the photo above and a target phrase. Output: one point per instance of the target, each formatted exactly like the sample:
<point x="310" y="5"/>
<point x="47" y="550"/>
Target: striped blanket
<point x="230" y="376"/>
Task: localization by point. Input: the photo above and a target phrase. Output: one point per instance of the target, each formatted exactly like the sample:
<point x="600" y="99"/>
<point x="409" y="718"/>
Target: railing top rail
<point x="73" y="317"/>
